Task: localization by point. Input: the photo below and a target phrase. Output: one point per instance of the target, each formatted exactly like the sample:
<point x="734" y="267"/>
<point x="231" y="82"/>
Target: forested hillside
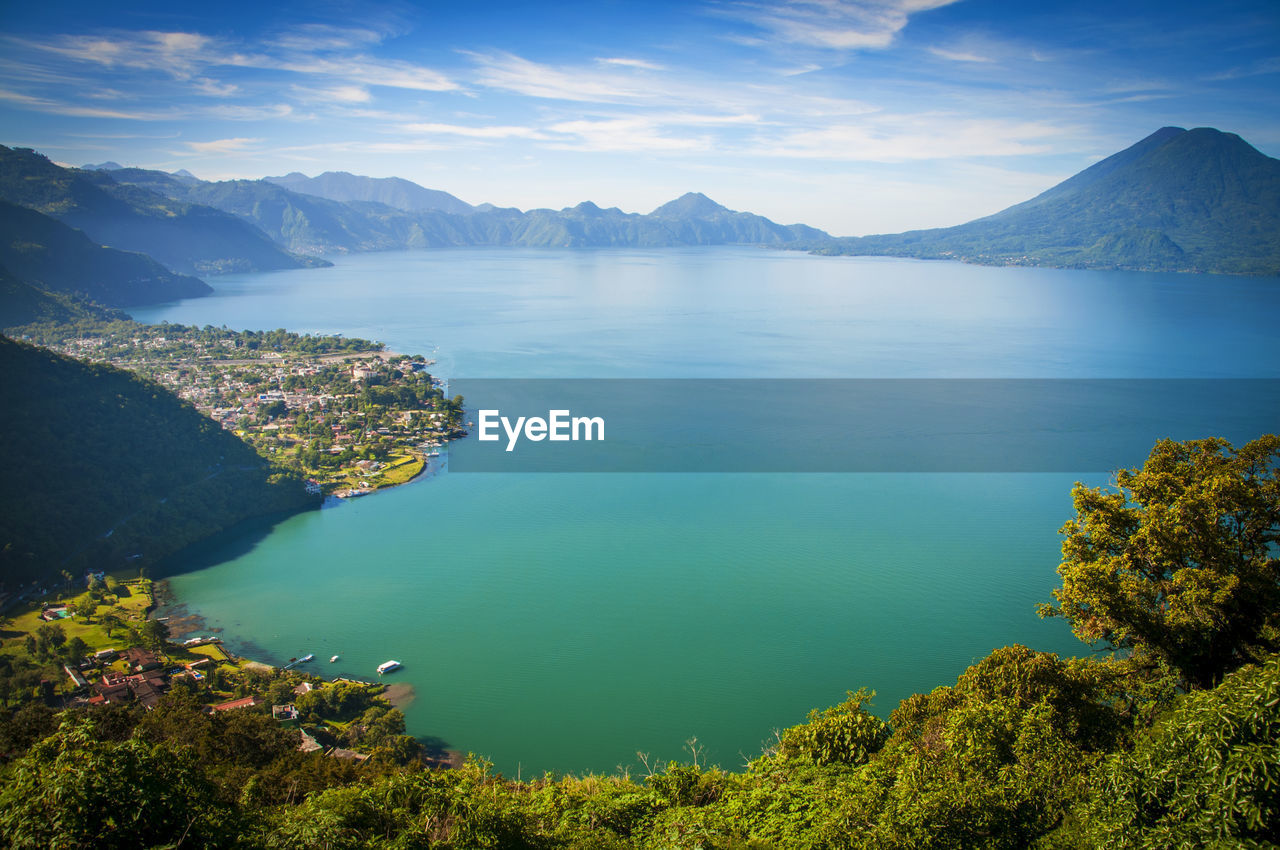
<point x="106" y="470"/>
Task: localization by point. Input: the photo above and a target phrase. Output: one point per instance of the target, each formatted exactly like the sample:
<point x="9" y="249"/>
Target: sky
<point x="855" y="116"/>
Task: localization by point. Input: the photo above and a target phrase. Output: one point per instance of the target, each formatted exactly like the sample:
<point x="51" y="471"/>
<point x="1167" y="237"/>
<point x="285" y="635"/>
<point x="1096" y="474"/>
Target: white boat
<point x="333" y="659"/>
<point x="433" y="454"/>
<point x="304" y="659"/>
<point x="388" y="666"/>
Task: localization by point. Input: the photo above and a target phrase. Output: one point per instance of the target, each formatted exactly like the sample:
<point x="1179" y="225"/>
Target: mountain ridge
<point x="186" y="238"/>
<point x="1197" y="200"/>
<point x="312" y="224"/>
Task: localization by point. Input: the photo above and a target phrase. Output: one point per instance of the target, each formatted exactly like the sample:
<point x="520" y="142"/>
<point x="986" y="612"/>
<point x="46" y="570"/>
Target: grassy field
<point x="129" y="608"/>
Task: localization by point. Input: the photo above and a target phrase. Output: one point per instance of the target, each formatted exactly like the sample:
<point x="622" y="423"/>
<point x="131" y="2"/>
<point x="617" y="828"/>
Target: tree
<point x="111" y="622"/>
<point x="76" y="649"/>
<point x="73" y="790"/>
<point x="1204" y="776"/>
<point x="49" y="639"/>
<point x="1177" y="562"/>
<point x="154" y="634"/>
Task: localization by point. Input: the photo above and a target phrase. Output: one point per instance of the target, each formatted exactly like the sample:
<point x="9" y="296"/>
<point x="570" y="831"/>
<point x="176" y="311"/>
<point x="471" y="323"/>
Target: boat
<point x="388" y="666"/>
<point x="304" y="659"/>
<point x="333" y="659"/>
<point x="433" y="454"/>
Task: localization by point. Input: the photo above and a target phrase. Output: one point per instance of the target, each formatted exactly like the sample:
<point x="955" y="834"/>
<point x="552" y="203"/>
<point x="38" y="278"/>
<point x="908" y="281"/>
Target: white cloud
<point x="634" y="135"/>
<point x="959" y="55"/>
<point x="834" y="24"/>
<point x="204" y="85"/>
<point x="249" y="112"/>
<point x="335" y="94"/>
<point x="631" y="63"/>
<point x="494" y="132"/>
<point x="222" y="146"/>
<point x="361" y="69"/>
<point x="183" y="55"/>
<point x="316" y="38"/>
<point x="889" y="138"/>
<point x="54" y="107"/>
<point x="512" y="73"/>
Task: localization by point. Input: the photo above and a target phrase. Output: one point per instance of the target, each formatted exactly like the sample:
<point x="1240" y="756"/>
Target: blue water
<point x="565" y="622"/>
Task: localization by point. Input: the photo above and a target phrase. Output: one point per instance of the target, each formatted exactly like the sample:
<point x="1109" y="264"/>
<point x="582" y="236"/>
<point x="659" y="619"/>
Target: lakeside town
<point x="347" y="414"/>
<point x="100" y="646"/>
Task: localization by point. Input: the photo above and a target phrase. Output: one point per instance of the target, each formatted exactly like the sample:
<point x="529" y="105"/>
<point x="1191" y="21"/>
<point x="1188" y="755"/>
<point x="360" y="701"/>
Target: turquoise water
<point x="565" y="622"/>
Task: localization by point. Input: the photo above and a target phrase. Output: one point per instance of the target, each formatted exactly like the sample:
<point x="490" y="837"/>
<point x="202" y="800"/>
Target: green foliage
<point x="843" y="734"/>
<point x="73" y="790"/>
<point x="1178" y="561"/>
<point x="1206" y="775"/>
<point x="990" y="762"/>
<point x="162" y="475"/>
<point x="22" y="303"/>
<point x="463" y="808"/>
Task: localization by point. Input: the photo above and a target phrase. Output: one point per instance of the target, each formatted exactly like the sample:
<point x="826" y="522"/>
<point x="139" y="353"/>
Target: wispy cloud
<point x="959" y="55"/>
<point x="248" y="111"/>
<point x="1269" y="65"/>
<point x="222" y="146"/>
<point x="194" y="56"/>
<point x="632" y="135"/>
<point x="905" y="138"/>
<point x="334" y="94"/>
<point x="313" y="37"/>
<point x="631" y="63"/>
<point x="55" y="107"/>
<point x="512" y="73"/>
<point x="493" y="132"/>
<point x="833" y="24"/>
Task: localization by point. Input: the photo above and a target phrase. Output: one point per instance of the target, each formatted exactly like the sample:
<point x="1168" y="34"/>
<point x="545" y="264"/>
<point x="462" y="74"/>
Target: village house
<point x="243" y="702"/>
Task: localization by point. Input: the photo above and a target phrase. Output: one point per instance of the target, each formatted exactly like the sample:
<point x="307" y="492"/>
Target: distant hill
<point x="24" y="304"/>
<point x="47" y="253"/>
<point x="302" y="223"/>
<point x="392" y="191"/>
<point x="185" y="237"/>
<point x="1179" y="200"/>
<point x="106" y="469"/>
<point x="311" y="224"/>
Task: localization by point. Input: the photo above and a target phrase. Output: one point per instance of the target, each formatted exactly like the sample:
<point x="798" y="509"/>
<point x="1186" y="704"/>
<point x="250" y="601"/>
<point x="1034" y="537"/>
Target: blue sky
<point x="858" y="117"/>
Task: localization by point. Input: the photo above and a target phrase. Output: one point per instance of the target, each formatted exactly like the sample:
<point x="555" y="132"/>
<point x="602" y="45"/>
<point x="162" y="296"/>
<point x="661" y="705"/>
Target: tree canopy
<point x="1177" y="562"/>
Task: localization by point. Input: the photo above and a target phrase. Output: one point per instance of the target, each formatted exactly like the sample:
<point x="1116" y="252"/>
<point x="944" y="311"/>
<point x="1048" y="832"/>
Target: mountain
<point x="393" y="191"/>
<point x="302" y="223"/>
<point x="45" y="252"/>
<point x="24" y="304"/>
<point x="185" y="237"/>
<point x="695" y="219"/>
<point x="1179" y="200"/>
<point x="311" y="224"/>
<point x="107" y="468"/>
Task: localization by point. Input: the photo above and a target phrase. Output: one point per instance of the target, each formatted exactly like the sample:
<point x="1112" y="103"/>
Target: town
<point x="347" y="414"/>
<point x="98" y="648"/>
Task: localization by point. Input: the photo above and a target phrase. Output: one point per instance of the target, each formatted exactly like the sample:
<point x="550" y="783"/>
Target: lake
<point x="563" y="622"/>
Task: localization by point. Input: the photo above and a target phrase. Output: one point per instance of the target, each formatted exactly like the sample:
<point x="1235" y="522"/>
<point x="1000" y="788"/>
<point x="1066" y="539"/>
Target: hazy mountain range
<point x="338" y="212"/>
<point x="1179" y="200"/>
